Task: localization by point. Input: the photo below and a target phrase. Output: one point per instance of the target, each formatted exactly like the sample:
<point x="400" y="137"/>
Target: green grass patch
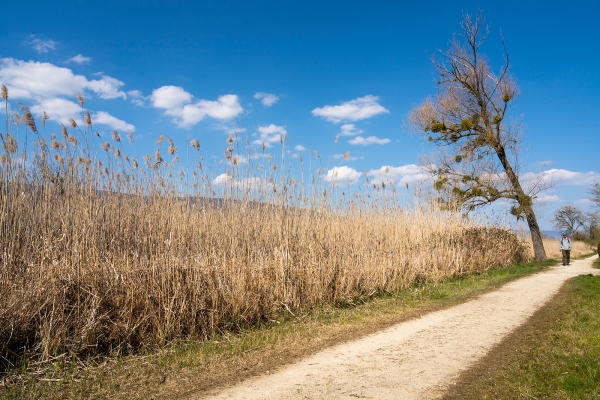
<point x="581" y="257"/>
<point x="554" y="356"/>
<point x="193" y="366"/>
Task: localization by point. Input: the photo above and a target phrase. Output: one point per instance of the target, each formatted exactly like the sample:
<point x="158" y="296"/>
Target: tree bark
<point x="534" y="229"/>
<point x="536" y="236"/>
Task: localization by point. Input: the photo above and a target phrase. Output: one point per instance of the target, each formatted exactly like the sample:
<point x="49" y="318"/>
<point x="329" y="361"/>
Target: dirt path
<point x="415" y="359"/>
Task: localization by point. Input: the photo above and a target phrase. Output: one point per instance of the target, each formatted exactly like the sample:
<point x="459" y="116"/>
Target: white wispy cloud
<point x="42" y="45"/>
<point x="138" y="98"/>
<point x="349" y="158"/>
<point x="361" y="141"/>
<point x="229" y="129"/>
<point x="405" y="174"/>
<point x="250" y="183"/>
<point x="548" y="198"/>
<point x="354" y="110"/>
<point x="80" y="59"/>
<point x="342" y="174"/>
<point x="104" y="118"/>
<point x="267" y="99"/>
<point x="270" y="134"/>
<point x="563" y="177"/>
<point x="350" y="130"/>
<point x="299" y="148"/>
<point x="60" y="110"/>
<point x="177" y="103"/>
<point x="106" y="87"/>
<point x="244" y="159"/>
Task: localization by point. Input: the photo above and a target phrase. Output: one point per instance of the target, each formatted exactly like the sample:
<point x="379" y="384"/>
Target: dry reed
<point x="552" y="247"/>
<point x="102" y="254"/>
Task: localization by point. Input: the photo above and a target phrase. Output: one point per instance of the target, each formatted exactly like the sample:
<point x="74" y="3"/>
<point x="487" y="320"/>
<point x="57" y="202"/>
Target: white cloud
<point x="548" y="198"/>
<point x="105" y="118"/>
<point x="243" y="159"/>
<point x="406" y="174"/>
<point x="300" y="148"/>
<point x="222" y="179"/>
<point x="177" y="103"/>
<point x="251" y="183"/>
<point x="361" y="141"/>
<point x="38" y="80"/>
<point x="106" y="87"/>
<point x="574" y="178"/>
<point x="135" y="93"/>
<point x="350" y="130"/>
<point x="563" y="176"/>
<point x="80" y="59"/>
<point x="59" y="110"/>
<point x="46" y="85"/>
<point x="171" y="99"/>
<point x="354" y="110"/>
<point x="270" y="134"/>
<point x="137" y="98"/>
<point x="267" y="99"/>
<point x="229" y="129"/>
<point x="224" y="108"/>
<point x="584" y="202"/>
<point x="42" y="46"/>
<point x="342" y="174"/>
<point x="350" y="158"/>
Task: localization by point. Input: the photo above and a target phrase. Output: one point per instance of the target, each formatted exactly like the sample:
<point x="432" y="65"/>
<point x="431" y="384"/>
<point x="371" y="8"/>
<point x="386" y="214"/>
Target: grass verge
<point x="556" y="355"/>
<point x="191" y="367"/>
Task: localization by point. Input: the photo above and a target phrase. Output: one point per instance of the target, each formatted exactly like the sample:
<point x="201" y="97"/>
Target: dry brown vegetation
<point x="101" y="253"/>
<point x="580" y="248"/>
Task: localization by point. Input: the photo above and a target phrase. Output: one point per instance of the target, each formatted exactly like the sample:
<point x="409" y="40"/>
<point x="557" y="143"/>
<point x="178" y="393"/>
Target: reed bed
<point x="102" y="254"/>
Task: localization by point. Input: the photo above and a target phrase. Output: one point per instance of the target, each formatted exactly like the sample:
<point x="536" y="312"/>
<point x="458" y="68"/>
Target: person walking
<point x="565" y="249"/>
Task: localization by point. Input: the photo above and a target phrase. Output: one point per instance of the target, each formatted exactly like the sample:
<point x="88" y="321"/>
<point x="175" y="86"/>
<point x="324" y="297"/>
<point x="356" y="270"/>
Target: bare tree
<point x="569" y="219"/>
<point x="479" y="162"/>
<point x="595" y="192"/>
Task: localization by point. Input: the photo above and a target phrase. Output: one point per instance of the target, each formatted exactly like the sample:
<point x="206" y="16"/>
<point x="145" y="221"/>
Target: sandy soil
<point x="417" y="359"/>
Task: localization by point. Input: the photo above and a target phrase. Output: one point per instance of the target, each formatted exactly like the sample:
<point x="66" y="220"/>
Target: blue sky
<point x="310" y="69"/>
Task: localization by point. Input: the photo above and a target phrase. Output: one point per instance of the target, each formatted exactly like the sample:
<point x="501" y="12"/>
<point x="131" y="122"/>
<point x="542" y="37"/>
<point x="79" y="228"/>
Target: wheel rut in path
<point x="416" y="359"/>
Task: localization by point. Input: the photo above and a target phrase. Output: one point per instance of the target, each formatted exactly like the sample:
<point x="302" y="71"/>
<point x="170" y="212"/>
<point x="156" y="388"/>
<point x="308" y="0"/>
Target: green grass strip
<point x="556" y="355"/>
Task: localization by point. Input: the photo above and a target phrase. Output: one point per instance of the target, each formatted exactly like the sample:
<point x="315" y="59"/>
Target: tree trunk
<point x="536" y="236"/>
<point x="534" y="229"/>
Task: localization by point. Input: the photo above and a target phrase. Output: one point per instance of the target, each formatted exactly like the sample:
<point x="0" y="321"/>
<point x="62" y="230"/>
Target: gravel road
<point x="416" y="359"/>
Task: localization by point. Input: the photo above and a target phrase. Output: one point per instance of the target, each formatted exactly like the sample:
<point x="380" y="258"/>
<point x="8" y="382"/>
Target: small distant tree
<point x="569" y="219"/>
<point x="592" y="225"/>
<point x="479" y="160"/>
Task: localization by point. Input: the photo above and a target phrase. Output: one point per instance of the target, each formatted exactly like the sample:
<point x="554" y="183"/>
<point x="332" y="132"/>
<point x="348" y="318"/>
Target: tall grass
<point x="101" y="252"/>
<point x="580" y="248"/>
